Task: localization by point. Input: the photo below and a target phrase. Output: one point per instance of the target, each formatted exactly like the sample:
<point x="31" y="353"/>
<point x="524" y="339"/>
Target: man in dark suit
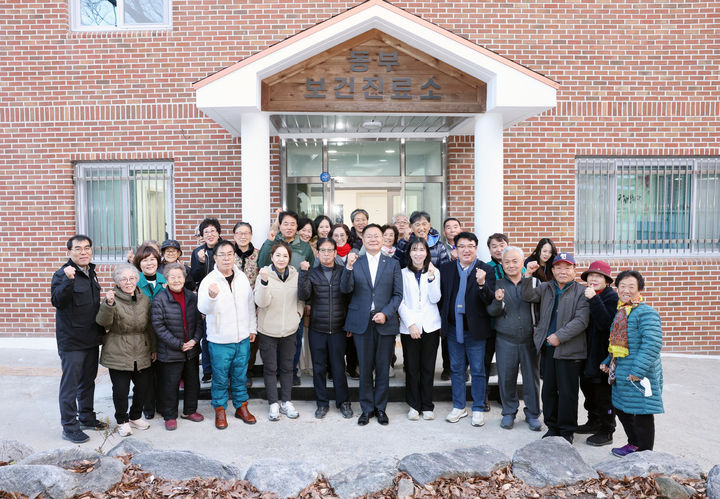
<point x="468" y="286"/>
<point x="375" y="282"/>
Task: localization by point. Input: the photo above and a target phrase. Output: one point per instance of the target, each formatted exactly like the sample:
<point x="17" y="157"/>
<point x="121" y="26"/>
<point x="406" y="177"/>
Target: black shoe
<point x="321" y="411"/>
<point x="445" y="375"/>
<point x="248" y="383"/>
<point x="467" y="375"/>
<point x="207" y="378"/>
<point x="551" y="433"/>
<point x="75" y="436"/>
<point x="568" y="437"/>
<point x="587" y="428"/>
<point x="94" y="425"/>
<point x="148" y="414"/>
<point x="364" y="419"/>
<point x="599" y="439"/>
<point x="346" y="410"/>
<point x="486" y="407"/>
<point x="382" y="417"/>
<point x="353" y="374"/>
<point x="296" y="380"/>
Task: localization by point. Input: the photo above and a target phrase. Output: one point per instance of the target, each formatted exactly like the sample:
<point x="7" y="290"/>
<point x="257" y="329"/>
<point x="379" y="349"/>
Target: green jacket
<point x="301" y="252"/>
<point x="130" y="337"/>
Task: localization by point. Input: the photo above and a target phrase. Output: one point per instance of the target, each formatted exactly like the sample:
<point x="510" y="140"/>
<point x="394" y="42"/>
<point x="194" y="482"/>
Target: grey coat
<point x="573" y="317"/>
<point x="513" y="321"/>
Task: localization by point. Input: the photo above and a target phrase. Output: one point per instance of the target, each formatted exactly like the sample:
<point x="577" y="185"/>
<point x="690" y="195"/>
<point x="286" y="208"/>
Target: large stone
<point x="284" y="478"/>
<point x="182" y="465"/>
<point x="12" y="450"/>
<point x="365" y="478"/>
<point x="670" y="489"/>
<point x="406" y="488"/>
<point x="646" y="462"/>
<point x="481" y="461"/>
<point x="129" y="446"/>
<point x="106" y="471"/>
<point x="713" y="482"/>
<point x="33" y="480"/>
<point x="550" y="461"/>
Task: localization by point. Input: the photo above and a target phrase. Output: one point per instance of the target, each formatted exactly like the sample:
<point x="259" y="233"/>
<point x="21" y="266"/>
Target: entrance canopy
<point x="503" y="86"/>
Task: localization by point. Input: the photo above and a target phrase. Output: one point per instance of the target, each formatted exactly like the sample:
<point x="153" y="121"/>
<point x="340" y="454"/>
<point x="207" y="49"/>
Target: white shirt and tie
<point x="373" y="262"/>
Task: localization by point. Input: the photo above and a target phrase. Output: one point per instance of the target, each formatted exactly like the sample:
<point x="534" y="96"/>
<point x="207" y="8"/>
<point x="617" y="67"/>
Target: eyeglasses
<point x="225" y="255"/>
<point x="82" y="249"/>
<point x="209" y="232"/>
<point x="124" y="280"/>
<point x="243" y="233"/>
<point x="466" y="246"/>
<point x="325" y="250"/>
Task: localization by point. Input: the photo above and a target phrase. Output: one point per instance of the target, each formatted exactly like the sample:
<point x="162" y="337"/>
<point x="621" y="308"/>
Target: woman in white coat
<point x="420" y="328"/>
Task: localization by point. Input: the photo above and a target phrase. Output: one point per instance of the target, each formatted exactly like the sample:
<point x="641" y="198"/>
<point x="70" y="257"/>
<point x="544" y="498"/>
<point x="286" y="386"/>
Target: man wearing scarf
<point x="560" y="339"/>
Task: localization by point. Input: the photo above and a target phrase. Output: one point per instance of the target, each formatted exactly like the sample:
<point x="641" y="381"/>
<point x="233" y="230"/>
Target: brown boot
<point x="220" y="418"/>
<point x="243" y="413"/>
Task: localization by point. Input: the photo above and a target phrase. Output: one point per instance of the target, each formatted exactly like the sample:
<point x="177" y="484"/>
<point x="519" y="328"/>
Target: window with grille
<point x="121" y="204"/>
<point x="109" y="15"/>
<point x="647" y="205"/>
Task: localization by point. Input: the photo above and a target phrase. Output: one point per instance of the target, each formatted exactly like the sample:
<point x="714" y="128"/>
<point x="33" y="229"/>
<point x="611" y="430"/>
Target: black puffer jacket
<point x="77" y="302"/>
<point x="603" y="308"/>
<point x="167" y="320"/>
<point x="329" y="305"/>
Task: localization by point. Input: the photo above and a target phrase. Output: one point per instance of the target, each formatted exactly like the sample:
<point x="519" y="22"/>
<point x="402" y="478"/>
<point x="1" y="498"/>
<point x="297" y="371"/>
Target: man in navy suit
<point x="375" y="282"/>
<point x="467" y="286"/>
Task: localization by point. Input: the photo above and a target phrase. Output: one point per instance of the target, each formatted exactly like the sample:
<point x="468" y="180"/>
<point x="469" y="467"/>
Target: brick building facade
<point x="635" y="79"/>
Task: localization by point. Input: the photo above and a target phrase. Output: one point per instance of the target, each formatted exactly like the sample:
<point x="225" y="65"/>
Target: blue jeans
<point x="475" y="352"/>
<point x="230" y="362"/>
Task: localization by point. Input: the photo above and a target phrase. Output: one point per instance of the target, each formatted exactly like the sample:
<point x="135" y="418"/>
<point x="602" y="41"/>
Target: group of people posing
<point x="360" y="287"/>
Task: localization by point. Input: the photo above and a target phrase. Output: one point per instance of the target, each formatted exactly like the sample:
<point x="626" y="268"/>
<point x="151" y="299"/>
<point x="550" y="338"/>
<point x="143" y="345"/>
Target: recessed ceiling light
<point x="389" y="151"/>
<point x="332" y="151"/>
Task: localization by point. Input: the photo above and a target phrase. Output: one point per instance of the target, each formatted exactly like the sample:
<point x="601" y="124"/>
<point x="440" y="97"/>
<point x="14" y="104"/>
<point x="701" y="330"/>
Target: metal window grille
<point x="647" y="205"/>
<point x="120" y="205"/>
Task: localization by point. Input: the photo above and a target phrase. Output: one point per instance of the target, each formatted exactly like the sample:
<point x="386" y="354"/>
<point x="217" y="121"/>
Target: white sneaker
<point x="428" y="415"/>
<point x="274" y="413"/>
<point x="478" y="418"/>
<point x="124" y="430"/>
<point x="455" y="415"/>
<point x="288" y="409"/>
<point x="413" y="415"/>
<point x="140" y="424"/>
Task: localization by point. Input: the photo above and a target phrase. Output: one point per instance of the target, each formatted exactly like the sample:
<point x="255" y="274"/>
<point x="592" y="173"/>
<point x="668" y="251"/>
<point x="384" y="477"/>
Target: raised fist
<point x="201" y="256"/>
<point x="431" y="270"/>
<point x="589" y="292"/>
<point x="351" y="260"/>
<point x="213" y="290"/>
<point x="110" y="297"/>
<point x="70" y="272"/>
<point x="305" y="265"/>
<point x="532" y="267"/>
<point x="499" y="294"/>
<point x="480" y="276"/>
<point x="264" y="274"/>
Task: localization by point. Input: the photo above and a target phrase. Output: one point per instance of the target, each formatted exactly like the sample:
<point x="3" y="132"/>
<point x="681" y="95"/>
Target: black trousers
<point x="598" y="403"/>
<point x="374" y="354"/>
<point x="445" y="354"/>
<point x="328" y="348"/>
<point x="351" y="357"/>
<point x="489" y="353"/>
<point x="560" y="393"/>
<point x="420" y="356"/>
<point x="170" y="375"/>
<point x="153" y="390"/>
<point x="77" y="387"/>
<point x="121" y="389"/>
<point x="639" y="428"/>
<point x="277" y="355"/>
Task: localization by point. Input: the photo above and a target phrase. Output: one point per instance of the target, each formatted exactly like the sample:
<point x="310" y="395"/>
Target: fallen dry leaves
<point x="139" y="484"/>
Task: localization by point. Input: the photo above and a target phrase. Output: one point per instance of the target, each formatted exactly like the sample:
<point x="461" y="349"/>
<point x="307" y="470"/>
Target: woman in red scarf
<point x="340" y="233"/>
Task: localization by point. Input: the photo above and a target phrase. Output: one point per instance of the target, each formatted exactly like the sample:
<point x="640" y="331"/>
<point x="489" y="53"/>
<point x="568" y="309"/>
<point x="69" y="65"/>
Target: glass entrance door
<point x="384" y="177"/>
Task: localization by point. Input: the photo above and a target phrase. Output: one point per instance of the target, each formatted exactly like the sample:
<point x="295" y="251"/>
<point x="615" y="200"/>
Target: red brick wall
<point x="635" y="78"/>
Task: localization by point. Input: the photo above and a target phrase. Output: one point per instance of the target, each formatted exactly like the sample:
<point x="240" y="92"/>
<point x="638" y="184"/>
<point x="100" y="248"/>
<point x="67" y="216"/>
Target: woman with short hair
<point x="128" y="347"/>
<point x="178" y="326"/>
<point x="633" y="366"/>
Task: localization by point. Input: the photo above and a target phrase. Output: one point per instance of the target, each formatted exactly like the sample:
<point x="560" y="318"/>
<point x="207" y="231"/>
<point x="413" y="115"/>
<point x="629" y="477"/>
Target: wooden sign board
<point x="373" y="72"/>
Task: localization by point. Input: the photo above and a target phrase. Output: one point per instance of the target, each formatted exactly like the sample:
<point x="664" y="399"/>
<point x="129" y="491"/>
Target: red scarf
<point x="343" y="250"/>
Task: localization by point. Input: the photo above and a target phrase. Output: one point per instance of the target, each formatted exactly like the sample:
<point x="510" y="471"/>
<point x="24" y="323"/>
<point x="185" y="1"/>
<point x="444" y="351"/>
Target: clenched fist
<point x="213" y="290"/>
<point x="70" y="272"/>
<point x="499" y="294"/>
<point x="201" y="256"/>
<point x="480" y="276"/>
<point x="264" y="274"/>
<point x="351" y="260"/>
<point x="431" y="270"/>
<point x="589" y="292"/>
<point x="305" y="265"/>
<point x="531" y="268"/>
<point x="110" y="297"/>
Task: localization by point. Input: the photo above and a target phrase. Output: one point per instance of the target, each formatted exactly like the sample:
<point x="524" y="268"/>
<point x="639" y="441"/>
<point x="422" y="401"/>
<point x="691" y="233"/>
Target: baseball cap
<point x="564" y="257"/>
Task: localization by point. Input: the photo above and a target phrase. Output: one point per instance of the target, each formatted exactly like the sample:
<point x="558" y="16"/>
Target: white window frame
<point x="76" y="22"/>
<point x="81" y="178"/>
<point x="694" y="165"/>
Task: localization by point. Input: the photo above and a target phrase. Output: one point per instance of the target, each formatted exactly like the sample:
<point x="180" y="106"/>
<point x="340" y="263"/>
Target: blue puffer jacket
<point x="643" y="361"/>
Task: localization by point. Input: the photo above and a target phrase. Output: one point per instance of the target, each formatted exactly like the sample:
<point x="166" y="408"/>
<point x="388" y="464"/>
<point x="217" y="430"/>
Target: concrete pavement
<point x="29" y="379"/>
